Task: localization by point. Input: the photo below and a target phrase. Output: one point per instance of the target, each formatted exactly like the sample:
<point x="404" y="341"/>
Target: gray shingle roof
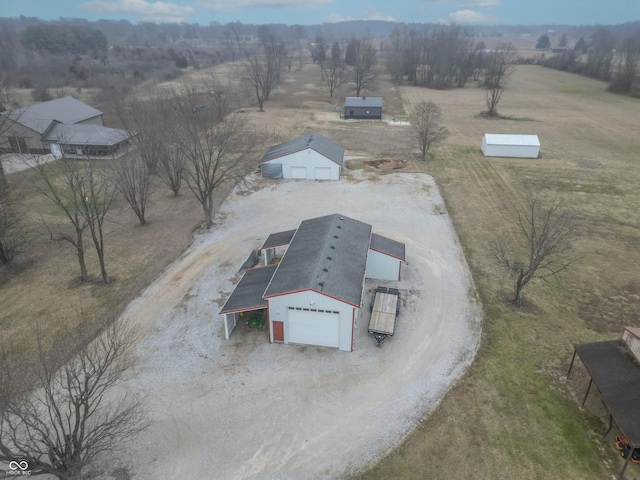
<point x="69" y="134"/>
<point x="38" y="117"/>
<point x="363" y="102"/>
<point x="315" y="141"/>
<point x="248" y="293"/>
<point x="387" y="246"/>
<point x="327" y="254"/>
<point x="278" y="239"/>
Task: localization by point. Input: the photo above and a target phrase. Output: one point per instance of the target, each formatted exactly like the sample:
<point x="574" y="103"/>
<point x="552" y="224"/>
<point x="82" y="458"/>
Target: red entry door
<point x="278" y="331"/>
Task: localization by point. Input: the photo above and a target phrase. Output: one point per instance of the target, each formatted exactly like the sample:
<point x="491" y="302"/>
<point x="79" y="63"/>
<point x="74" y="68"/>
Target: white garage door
<point x="323" y="173"/>
<point x="298" y="172"/>
<point x="312" y="327"/>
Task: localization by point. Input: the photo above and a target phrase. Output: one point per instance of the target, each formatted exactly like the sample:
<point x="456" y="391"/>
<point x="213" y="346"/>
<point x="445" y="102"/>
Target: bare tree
<point x="69" y="417"/>
<point x="261" y="73"/>
<point x="12" y="233"/>
<point x="171" y="164"/>
<point x="216" y="151"/>
<point x="97" y="191"/>
<point x="134" y="183"/>
<point x="428" y="126"/>
<point x="499" y="66"/>
<point x="332" y="74"/>
<point x="61" y="183"/>
<point x="545" y="249"/>
<point x="84" y="194"/>
<point x="601" y="54"/>
<point x="9" y="114"/>
<point x="628" y="64"/>
<point x="365" y="59"/>
<point x="142" y="117"/>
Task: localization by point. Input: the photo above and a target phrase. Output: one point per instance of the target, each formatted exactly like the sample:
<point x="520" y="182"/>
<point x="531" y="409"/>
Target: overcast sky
<point x="309" y="12"/>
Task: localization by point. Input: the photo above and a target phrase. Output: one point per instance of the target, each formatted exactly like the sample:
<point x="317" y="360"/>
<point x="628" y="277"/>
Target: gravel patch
<point x="246" y="409"/>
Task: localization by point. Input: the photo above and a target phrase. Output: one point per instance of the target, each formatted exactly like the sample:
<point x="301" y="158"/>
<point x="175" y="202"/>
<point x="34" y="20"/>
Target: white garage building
<point x="519" y="146"/>
<point x="312" y="157"/>
<point x="313" y="296"/>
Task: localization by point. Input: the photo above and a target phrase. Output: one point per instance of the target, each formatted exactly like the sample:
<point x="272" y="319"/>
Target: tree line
<point x="603" y="55"/>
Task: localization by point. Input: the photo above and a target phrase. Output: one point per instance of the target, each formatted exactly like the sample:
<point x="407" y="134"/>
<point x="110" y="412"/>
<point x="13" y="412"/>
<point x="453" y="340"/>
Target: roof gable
<point x="38" y="117"/>
<point x="327" y="254"/>
<point x="315" y="141"/>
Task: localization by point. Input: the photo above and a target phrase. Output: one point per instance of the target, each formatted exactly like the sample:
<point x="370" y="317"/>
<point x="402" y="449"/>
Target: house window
<point x="18" y="144"/>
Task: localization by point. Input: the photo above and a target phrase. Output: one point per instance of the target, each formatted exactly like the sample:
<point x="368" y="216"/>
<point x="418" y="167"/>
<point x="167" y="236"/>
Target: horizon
<point x="316" y="12"/>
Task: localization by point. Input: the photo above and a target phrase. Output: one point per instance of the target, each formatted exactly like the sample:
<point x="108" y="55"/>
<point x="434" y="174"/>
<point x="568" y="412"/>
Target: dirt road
<point x="246" y="409"/>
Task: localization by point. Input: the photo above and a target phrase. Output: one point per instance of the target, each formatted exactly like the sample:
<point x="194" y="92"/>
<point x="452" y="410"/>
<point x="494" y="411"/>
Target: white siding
<point x="516" y="146"/>
<point x="279" y="311"/>
<point x="382" y="267"/>
<point x="632" y="342"/>
<point x="230" y="322"/>
<point x="311" y="160"/>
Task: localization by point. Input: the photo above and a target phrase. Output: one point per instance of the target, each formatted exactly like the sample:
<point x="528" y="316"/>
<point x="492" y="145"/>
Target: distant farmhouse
<point x="314" y="294"/>
<point x="62" y="126"/>
<point x="364" y="108"/>
<point x="312" y="157"/>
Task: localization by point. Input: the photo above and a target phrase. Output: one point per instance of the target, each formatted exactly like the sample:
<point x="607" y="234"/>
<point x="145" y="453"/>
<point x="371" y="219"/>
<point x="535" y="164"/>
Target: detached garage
<point x="365" y="108"/>
<point x="518" y="146"/>
<point x="313" y="295"/>
<point x="312" y="157"/>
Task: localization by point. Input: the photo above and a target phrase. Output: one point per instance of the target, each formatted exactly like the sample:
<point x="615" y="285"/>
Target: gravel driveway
<point x="246" y="409"/>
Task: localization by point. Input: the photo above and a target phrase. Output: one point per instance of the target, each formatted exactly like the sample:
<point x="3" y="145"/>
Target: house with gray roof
<point x="364" y="108"/>
<point x="313" y="295"/>
<point x="311" y="157"/>
<point x="62" y="126"/>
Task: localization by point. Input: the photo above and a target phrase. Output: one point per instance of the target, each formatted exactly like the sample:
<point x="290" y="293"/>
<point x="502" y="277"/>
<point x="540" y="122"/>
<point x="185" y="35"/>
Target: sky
<point x="312" y="12"/>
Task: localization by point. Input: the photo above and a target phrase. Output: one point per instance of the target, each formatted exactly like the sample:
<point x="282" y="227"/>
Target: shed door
<point x="298" y="172"/>
<point x="311" y="327"/>
<point x="323" y="173"/>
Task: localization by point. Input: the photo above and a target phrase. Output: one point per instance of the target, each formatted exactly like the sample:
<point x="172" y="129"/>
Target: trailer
<point x="384" y="307"/>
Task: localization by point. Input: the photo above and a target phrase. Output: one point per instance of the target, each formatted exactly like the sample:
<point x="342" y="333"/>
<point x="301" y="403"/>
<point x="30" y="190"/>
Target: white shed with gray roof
<point x="315" y="292"/>
<point x="518" y="146"/>
<point x="312" y="157"/>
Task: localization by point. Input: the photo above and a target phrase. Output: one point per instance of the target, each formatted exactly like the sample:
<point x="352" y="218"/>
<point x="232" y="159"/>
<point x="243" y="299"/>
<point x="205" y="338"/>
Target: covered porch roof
<point x="616" y="374"/>
<point x="248" y="293"/>
<point x="278" y="239"/>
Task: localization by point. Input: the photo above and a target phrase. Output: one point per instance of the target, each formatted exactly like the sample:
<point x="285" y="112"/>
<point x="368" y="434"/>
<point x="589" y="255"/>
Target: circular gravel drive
<point x="246" y="409"/>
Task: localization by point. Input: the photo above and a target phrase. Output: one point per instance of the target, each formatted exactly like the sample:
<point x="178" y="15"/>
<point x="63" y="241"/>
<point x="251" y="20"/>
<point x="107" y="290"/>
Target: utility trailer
<point x="385" y="307"/>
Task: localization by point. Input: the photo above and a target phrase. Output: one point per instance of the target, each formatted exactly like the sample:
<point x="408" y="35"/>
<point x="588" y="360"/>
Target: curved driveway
<point x="246" y="409"/>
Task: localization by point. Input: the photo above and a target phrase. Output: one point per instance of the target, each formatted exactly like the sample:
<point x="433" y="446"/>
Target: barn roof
<point x="387" y="246"/>
<point x="70" y="134"/>
<point x="248" y="293"/>
<point x="327" y="254"/>
<point x="38" y="117"/>
<point x="315" y="141"/>
<point x="515" y="140"/>
<point x="363" y="102"/>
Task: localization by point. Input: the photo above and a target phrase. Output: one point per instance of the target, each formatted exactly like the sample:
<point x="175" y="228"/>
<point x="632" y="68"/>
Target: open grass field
<point x="513" y="415"/>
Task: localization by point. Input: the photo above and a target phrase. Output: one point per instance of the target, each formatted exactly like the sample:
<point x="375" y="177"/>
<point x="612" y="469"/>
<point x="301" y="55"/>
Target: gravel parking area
<point x="246" y="409"/>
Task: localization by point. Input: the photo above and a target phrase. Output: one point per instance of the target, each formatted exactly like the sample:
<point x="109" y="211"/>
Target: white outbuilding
<point x="314" y="294"/>
<point x="312" y="157"/>
<point x="520" y="146"/>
